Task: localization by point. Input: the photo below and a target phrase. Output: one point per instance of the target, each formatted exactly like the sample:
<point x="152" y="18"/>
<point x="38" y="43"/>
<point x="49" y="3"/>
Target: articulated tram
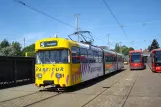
<point x="63" y="63"/>
<point x="154" y="60"/>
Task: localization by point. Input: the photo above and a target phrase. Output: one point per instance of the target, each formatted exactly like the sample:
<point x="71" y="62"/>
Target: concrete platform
<point x="14" y="92"/>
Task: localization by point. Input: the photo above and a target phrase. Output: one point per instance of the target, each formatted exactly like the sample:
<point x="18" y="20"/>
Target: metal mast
<point x="76" y="15"/>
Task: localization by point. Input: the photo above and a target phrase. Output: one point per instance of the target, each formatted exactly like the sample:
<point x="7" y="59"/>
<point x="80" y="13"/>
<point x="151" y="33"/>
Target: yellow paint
<point x="68" y="69"/>
<point x="77" y="73"/>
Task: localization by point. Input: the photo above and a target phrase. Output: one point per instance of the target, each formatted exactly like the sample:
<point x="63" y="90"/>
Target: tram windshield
<point x="53" y="56"/>
<point x="135" y="57"/>
<point x="158" y="56"/>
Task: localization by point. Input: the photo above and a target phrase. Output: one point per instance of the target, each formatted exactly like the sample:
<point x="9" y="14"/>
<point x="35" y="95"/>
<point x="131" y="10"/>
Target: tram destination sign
<point x="48" y="43"/>
<point x="136" y="53"/>
<point x="158" y="52"/>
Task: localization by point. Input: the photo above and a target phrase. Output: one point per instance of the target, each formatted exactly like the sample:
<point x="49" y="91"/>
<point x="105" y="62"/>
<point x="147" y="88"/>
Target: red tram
<point x="135" y="59"/>
<point x="154" y="60"/>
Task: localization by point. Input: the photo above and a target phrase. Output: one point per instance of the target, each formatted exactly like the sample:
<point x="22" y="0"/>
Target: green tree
<point x="131" y="48"/>
<point x="117" y="48"/>
<point x="4" y="44"/>
<point x="154" y="45"/>
<point x="17" y="47"/>
<point x="7" y="51"/>
<point x="149" y="47"/>
<point x="125" y="50"/>
<point x="30" y="48"/>
<point x="10" y="50"/>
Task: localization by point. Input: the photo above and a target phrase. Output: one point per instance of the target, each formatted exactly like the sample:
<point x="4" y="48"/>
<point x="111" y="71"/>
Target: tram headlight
<point x="39" y="75"/>
<point x="58" y="75"/>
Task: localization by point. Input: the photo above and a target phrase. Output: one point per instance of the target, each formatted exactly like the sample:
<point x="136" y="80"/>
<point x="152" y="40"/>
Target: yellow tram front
<point x="53" y="62"/>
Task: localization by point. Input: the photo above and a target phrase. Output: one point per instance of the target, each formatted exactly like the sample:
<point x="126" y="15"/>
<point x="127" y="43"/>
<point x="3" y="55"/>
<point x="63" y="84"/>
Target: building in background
<point x="146" y="53"/>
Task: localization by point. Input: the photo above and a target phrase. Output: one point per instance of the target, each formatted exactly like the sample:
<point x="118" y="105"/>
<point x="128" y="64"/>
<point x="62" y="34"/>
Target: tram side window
<point x="96" y="56"/>
<point x="99" y="56"/>
<point x="75" y="55"/>
<point x="113" y="59"/>
<point x="118" y="58"/>
<point x="90" y="56"/>
<point x="83" y="55"/>
<point x="108" y="58"/>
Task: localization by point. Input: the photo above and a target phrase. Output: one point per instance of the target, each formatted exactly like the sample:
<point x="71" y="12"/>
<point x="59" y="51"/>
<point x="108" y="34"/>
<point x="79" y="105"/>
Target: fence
<point x="145" y="57"/>
<point x="30" y="54"/>
<point x="15" y="70"/>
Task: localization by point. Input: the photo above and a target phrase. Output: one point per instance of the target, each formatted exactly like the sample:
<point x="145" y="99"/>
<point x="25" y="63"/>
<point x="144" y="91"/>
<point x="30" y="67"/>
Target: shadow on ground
<point x="84" y="84"/>
<point x="10" y="85"/>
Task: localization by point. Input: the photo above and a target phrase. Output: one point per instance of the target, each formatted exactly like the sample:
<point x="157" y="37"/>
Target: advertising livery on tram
<point x="62" y="62"/>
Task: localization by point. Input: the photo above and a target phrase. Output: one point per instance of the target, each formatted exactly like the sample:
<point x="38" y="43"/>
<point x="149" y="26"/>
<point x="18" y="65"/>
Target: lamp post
<point x="120" y="47"/>
<point x="76" y="15"/>
<point x="108" y="41"/>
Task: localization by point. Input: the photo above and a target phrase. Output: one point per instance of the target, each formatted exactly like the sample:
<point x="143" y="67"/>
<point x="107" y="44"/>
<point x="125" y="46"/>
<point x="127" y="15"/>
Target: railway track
<point x="36" y="97"/>
<point x="105" y="90"/>
<point x="30" y="99"/>
<point x="122" y="103"/>
<point x="159" y="74"/>
<point x="129" y="91"/>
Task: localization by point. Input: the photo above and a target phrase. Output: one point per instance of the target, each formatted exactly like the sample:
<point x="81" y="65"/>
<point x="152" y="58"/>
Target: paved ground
<point x="137" y="88"/>
<point x="10" y="93"/>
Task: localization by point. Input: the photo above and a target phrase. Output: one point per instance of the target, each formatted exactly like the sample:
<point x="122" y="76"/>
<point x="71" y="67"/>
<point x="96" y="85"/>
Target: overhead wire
<point x="129" y="24"/>
<point x="41" y="12"/>
<point x="115" y="17"/>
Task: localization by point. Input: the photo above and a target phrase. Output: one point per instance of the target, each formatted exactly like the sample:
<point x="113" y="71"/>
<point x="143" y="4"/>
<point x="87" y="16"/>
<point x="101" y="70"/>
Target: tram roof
<point x="135" y="51"/>
<point x="112" y="52"/>
<point x="159" y="49"/>
<point x="56" y="38"/>
<point x="119" y="54"/>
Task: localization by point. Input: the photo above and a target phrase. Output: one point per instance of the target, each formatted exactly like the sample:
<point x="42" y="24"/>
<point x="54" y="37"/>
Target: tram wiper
<point x="39" y="59"/>
<point x="51" y="61"/>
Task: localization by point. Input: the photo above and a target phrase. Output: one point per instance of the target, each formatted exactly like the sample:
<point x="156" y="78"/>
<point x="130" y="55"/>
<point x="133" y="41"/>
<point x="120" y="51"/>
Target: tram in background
<point x="136" y="60"/>
<point x="63" y="63"/>
<point x="154" y="60"/>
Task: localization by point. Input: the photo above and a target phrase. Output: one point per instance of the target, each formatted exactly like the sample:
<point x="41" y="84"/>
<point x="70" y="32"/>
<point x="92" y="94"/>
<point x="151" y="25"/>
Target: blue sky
<point x="141" y="20"/>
